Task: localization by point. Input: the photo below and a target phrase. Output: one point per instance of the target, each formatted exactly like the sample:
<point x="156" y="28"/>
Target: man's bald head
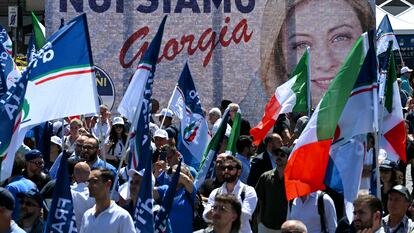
<point x="293" y="226"/>
<point x="81" y="172"/>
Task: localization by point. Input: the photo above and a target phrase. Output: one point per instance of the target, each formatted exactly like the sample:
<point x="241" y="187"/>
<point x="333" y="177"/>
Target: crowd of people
<point x="247" y="193"/>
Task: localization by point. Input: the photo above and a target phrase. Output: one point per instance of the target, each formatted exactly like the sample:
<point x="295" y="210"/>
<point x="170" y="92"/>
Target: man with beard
<point x="89" y="154"/>
<point x="367" y="216"/>
<point x="265" y="161"/>
<point x="271" y="192"/>
<point x="232" y="168"/>
<point x="31" y="211"/>
<point x="210" y="184"/>
<point x="34" y="168"/>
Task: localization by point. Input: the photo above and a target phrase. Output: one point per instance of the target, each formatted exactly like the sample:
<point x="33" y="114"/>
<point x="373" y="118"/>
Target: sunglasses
<point x="230" y="168"/>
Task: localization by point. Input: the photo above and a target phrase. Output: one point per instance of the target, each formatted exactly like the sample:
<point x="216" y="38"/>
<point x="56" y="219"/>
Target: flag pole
<point x="383" y="78"/>
<point x="168" y="106"/>
<point x="308" y="84"/>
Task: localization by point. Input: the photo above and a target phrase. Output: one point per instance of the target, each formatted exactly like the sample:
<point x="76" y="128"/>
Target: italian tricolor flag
<point x="393" y="135"/>
<point x="291" y="96"/>
<point x="306" y="167"/>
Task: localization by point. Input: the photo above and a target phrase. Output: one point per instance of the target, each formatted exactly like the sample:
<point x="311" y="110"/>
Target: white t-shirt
<point x="114" y="219"/>
<point x="81" y="201"/>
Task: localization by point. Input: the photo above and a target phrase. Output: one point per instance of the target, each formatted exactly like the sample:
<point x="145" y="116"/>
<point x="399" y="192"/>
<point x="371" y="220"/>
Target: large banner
<point x="239" y="50"/>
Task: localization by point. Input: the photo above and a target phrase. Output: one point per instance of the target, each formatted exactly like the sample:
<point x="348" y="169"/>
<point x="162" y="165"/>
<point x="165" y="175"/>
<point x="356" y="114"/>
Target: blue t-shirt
<point x="181" y="214"/>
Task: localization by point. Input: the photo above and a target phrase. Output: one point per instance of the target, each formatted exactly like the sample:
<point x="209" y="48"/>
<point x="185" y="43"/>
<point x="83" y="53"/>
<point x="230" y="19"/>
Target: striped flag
<point x="307" y="164"/>
<point x="291" y="96"/>
<point x="131" y="103"/>
<point x="206" y="169"/>
<point x="64" y="76"/>
<point x="393" y="136"/>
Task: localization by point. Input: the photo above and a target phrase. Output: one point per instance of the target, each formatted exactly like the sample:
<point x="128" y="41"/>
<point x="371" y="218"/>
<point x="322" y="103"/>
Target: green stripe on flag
<point x="60" y="69"/>
<point x="214" y="143"/>
<point x="300" y="85"/>
<point x="234" y="135"/>
<point x="336" y="97"/>
<point x="39" y="32"/>
<point x="391" y="78"/>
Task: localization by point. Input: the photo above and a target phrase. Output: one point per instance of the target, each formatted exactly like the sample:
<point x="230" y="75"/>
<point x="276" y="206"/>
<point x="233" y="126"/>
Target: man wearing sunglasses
<point x="34" y="168"/>
<point x="271" y="192"/>
<point x="232" y="168"/>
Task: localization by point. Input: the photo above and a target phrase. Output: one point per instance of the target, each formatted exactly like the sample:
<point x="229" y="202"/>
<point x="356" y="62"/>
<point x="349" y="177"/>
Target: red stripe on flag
<point x="271" y="113"/>
<point x="64" y="74"/>
<point x="397" y="139"/>
<point x="142" y="67"/>
<point x="306" y="167"/>
<point x="364" y="90"/>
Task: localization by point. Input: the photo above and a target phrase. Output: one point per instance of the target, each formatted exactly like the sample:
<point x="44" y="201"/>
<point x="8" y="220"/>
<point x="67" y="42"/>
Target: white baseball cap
<point x="161" y="134"/>
<point x="405" y="69"/>
<point x="118" y="121"/>
<point x="56" y="140"/>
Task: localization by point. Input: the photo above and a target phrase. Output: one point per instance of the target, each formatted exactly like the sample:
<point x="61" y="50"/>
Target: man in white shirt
<point x="80" y="192"/>
<point x="305" y="209"/>
<point x="103" y="124"/>
<point x="246" y="194"/>
<point x="106" y="215"/>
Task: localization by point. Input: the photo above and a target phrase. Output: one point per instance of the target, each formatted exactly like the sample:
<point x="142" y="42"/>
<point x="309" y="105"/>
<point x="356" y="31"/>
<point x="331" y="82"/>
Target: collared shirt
<point x="81" y="201"/>
<point x="307" y="212"/>
<point x="271" y="192"/>
<point x="114" y="219"/>
<point x="248" y="205"/>
<point x="245" y="167"/>
<point x="101" y="127"/>
<point x="406" y="225"/>
<point x="272" y="159"/>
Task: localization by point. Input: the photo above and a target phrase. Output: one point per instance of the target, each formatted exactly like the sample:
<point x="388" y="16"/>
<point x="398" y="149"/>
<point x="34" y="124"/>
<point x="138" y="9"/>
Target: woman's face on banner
<point x="330" y="29"/>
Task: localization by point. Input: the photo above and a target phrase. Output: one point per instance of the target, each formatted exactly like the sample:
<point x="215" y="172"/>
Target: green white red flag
<point x="393" y="132"/>
<point x="306" y="167"/>
<point x="291" y="96"/>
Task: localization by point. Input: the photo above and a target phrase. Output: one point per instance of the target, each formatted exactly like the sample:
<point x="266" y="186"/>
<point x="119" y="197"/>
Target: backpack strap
<point x="243" y="193"/>
<point x="321" y="211"/>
